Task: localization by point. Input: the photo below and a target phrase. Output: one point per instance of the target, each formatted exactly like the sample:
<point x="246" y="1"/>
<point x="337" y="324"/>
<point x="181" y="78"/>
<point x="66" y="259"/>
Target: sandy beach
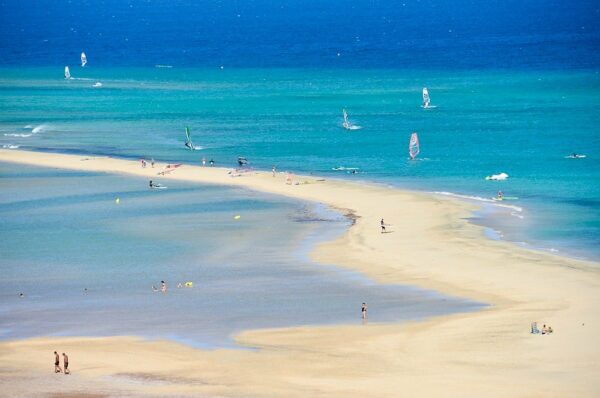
<point x="429" y="243"/>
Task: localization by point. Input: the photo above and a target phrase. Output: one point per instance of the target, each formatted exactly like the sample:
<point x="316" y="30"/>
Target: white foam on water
<point x="39" y="129"/>
<point x="479" y="199"/>
<point x="17" y="135"/>
<point x="10" y="146"/>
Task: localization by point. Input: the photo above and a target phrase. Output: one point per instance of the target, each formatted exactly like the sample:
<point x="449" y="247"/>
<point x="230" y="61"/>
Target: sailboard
<point x="67" y="73"/>
<point x="83" y="59"/>
<point x="169" y="169"/>
<point x="575" y="156"/>
<point x="413" y="146"/>
<point x="346" y="124"/>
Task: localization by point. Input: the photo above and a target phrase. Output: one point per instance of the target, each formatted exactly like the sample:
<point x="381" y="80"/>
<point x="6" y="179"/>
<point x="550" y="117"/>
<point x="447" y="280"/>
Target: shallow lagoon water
<point x="62" y="232"/>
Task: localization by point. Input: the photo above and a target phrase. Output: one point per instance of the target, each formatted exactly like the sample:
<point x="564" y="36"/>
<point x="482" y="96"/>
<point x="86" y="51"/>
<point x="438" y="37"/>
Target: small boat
<point x="67" y="73"/>
<point x="83" y="59"/>
<point x="413" y="146"/>
<point x="497" y="177"/>
<point x="346" y="124"/>
<point x="97" y="84"/>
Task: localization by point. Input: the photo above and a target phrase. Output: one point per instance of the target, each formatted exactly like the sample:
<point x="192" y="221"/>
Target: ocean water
<point x="485" y="122"/>
<point x="86" y="264"/>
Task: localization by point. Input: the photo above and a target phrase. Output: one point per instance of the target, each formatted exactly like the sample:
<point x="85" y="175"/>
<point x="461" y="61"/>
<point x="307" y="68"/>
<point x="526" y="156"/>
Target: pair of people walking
<point x="57" y="368"/>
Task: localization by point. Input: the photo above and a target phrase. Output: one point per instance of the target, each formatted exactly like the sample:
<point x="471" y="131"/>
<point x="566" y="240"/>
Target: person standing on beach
<point x="382" y="226"/>
<point x="152" y="162"/>
<point x="66" y="362"/>
<point x="203" y="162"/>
<point x="363" y="310"/>
<point x="57" y="368"/>
<point x="273" y="171"/>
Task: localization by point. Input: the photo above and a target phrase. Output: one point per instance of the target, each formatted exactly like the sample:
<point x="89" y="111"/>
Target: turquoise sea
<point x="520" y="122"/>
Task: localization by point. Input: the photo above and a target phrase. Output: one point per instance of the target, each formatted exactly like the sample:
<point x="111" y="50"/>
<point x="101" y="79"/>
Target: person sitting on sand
<point x="66" y="361"/>
<point x="57" y="368"/>
<point x="534" y="328"/>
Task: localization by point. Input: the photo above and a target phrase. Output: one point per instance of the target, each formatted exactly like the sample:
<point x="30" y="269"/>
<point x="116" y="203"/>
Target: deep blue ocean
<point x="516" y="85"/>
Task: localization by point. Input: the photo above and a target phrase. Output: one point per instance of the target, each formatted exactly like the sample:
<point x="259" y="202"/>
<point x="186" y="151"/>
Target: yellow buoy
<point x="189" y="284"/>
<point x="237" y="217"/>
<point x="117" y="200"/>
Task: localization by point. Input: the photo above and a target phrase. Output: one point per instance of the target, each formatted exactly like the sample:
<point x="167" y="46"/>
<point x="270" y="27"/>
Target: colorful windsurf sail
<point x="413" y="146"/>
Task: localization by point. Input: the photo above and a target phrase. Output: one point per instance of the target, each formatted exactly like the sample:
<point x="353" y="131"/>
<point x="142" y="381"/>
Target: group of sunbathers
<point x="545" y="329"/>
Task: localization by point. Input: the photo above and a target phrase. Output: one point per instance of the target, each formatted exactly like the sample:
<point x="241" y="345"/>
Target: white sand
<point x="489" y="353"/>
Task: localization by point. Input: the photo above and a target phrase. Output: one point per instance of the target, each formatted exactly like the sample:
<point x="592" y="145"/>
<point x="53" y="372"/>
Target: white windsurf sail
<point x="67" y="73"/>
<point x="413" y="146"/>
<point x="346" y="124"/>
<point x="426" y="100"/>
<point x="83" y="59"/>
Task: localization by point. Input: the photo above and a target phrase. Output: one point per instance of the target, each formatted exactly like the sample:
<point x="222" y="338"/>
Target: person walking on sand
<point x="363" y="310"/>
<point x="152" y="162"/>
<point x="57" y="368"/>
<point x="203" y="162"/>
<point x="382" y="226"/>
<point x="273" y="171"/>
<point x="66" y="362"/>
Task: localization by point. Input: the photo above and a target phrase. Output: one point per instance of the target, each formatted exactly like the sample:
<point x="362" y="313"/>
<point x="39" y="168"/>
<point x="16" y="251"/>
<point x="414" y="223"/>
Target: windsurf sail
<point x="346" y="123"/>
<point x="67" y="73"/>
<point x="188" y="139"/>
<point x="83" y="59"/>
<point x="413" y="146"/>
<point x="426" y="100"/>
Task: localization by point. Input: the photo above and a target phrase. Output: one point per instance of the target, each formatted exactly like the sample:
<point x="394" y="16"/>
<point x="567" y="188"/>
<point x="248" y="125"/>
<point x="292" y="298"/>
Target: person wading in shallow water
<point x="363" y="310"/>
